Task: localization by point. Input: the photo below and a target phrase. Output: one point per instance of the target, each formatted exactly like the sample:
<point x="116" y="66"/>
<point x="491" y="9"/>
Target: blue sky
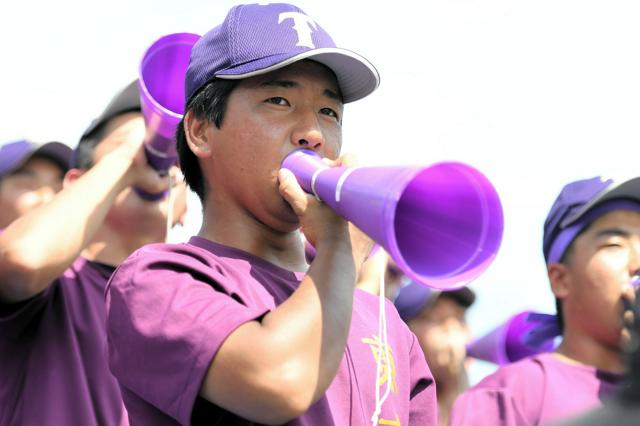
<point x="533" y="94"/>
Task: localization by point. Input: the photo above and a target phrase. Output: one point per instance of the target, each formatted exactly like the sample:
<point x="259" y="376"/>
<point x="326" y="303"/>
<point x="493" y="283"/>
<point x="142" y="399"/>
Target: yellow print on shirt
<point x="380" y="355"/>
<point x="395" y="422"/>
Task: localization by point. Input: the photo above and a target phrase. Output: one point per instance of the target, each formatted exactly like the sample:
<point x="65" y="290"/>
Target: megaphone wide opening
<point x="163" y="69"/>
<point x="448" y="223"/>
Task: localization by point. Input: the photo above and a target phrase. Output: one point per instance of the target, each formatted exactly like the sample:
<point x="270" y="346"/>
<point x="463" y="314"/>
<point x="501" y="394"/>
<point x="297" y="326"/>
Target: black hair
<point x="566" y="258"/>
<point x="83" y="156"/>
<point x="209" y="103"/>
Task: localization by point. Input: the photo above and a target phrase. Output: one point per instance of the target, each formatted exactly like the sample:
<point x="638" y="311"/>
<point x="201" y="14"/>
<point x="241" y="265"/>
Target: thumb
<point x="292" y="192"/>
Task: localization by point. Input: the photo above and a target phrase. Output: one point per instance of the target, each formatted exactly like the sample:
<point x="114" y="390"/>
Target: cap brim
<point x="357" y="77"/>
<point x="56" y="151"/>
<point x="127" y="100"/>
<point x="464" y="296"/>
<point x="621" y="189"/>
<point x="17" y="155"/>
<point x="14" y="154"/>
<point x="412" y="298"/>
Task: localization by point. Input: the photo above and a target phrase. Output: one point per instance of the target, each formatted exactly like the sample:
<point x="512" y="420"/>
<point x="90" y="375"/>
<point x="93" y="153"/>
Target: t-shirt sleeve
<point x="15" y="318"/>
<point x="165" y="322"/>
<point x="423" y="408"/>
<point x="510" y="397"/>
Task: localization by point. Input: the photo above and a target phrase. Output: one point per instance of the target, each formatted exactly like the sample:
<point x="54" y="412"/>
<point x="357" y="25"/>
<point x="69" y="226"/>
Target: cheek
<point x="603" y="280"/>
<point x="333" y="144"/>
<point x="427" y="336"/>
<point x="23" y="201"/>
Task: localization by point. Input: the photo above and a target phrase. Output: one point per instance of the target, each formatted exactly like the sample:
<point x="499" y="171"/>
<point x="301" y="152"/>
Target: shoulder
<point x="159" y="260"/>
<point x="511" y="396"/>
<point x="526" y="371"/>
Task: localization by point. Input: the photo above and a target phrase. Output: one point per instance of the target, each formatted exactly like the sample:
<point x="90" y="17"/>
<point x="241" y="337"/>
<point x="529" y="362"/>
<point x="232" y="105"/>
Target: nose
<point x="45" y="193"/>
<point x="308" y="132"/>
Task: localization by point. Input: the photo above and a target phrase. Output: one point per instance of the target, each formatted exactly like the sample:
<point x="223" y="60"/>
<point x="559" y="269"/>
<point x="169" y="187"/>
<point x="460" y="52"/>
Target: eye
<point x="613" y="243"/>
<point x="277" y="100"/>
<point x="330" y="112"/>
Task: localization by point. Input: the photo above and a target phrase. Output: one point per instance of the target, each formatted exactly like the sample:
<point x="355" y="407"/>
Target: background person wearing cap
<point x="591" y="245"/>
<point x="30" y="175"/>
<point x="438" y="320"/>
<point x="55" y="262"/>
<point x="234" y="326"/>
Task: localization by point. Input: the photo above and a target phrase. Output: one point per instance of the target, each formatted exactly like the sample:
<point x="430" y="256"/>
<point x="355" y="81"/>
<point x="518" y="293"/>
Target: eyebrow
<point x="290" y="84"/>
<point x="612" y="232"/>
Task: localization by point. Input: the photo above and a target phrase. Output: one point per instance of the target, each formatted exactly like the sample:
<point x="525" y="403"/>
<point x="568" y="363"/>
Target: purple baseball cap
<point x="579" y="204"/>
<point x="256" y="39"/>
<point x="14" y="155"/>
<point x="413" y="297"/>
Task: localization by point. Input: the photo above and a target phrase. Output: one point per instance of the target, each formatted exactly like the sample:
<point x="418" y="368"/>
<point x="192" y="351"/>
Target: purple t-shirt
<point x="53" y="366"/>
<point x="538" y="390"/>
<point x="170" y="307"/>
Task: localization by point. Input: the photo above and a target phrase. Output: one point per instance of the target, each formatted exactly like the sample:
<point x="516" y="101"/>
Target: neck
<point x="447" y="393"/>
<point x="579" y="348"/>
<point x="239" y="230"/>
<point x="111" y="248"/>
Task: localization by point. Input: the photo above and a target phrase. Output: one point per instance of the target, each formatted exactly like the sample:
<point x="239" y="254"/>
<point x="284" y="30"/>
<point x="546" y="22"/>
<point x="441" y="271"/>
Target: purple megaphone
<point x="508" y="342"/>
<point x="442" y="224"/>
<point x="162" y="72"/>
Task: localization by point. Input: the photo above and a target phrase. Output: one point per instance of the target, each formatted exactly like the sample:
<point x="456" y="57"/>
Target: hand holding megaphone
<point x="441" y="224"/>
<point x="162" y="100"/>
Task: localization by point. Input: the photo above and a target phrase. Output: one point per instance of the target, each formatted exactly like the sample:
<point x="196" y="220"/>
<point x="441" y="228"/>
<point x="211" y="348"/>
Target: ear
<point x="559" y="279"/>
<point x="198" y="135"/>
<point x="71" y="176"/>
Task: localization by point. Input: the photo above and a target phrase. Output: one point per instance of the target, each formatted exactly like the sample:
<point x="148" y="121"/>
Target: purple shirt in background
<point x="53" y="366"/>
<point x="538" y="390"/>
<point x="170" y="307"/>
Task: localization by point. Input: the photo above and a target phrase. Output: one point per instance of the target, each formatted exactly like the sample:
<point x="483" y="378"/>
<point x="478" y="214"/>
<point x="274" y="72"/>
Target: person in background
<point x="55" y="261"/>
<point x="438" y="320"/>
<point x="591" y="245"/>
<point x="378" y="263"/>
<point x="30" y="175"/>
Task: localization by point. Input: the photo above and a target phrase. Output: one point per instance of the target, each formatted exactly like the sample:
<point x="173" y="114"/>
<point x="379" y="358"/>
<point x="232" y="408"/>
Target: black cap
<point x="127" y="100"/>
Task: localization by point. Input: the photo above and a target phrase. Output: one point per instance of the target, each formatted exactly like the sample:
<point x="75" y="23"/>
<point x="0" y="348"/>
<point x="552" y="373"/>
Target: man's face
<point x="266" y="118"/>
<point x="443" y="334"/>
<point x="32" y="185"/>
<point x="602" y="260"/>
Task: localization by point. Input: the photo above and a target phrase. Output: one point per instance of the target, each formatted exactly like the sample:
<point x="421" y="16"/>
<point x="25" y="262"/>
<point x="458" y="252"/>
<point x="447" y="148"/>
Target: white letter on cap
<point x="303" y="26"/>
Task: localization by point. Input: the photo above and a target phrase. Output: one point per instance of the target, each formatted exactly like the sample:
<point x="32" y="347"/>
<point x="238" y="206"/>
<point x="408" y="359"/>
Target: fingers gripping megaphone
<point x="162" y="100"/>
<point x="442" y="224"/>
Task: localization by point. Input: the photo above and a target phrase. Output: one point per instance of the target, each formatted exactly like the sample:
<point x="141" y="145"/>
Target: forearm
<point x="273" y="371"/>
<point x="315" y="321"/>
<point x="40" y="245"/>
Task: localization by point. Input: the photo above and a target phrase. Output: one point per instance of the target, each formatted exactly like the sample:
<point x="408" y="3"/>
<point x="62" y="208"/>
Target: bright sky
<point x="532" y="93"/>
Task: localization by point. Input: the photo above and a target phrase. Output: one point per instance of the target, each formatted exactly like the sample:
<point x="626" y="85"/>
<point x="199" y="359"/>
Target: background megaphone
<point x="442" y="224"/>
<point x="507" y="343"/>
<point x="162" y="72"/>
